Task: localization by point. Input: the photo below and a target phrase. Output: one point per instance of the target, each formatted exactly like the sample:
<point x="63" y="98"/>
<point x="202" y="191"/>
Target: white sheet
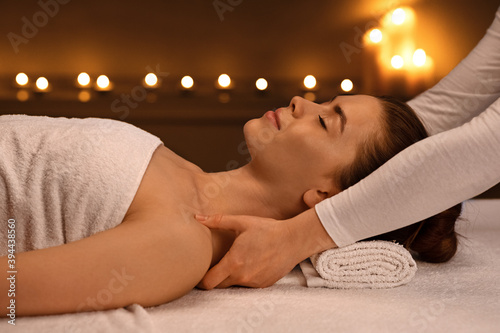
<point x="462" y="295"/>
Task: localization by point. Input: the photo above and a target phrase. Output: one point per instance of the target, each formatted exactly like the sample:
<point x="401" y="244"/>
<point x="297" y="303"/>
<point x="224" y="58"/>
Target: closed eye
<point x="321" y="121"/>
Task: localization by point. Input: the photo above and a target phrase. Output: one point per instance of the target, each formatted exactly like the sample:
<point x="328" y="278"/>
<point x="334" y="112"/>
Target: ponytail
<point x="436" y="240"/>
<point x="433" y="239"/>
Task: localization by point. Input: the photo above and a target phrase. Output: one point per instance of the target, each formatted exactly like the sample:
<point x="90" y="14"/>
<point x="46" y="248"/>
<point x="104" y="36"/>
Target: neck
<point x="244" y="192"/>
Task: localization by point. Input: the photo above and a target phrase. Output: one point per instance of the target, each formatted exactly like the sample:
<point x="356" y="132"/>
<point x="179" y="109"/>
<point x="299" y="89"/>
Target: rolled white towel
<point x="368" y="264"/>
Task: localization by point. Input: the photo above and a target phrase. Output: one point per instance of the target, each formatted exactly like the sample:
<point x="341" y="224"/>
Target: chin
<point x="258" y="134"/>
<point x="249" y="132"/>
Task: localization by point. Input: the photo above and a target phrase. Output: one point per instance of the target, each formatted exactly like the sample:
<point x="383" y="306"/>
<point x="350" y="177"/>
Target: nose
<point x="301" y="106"/>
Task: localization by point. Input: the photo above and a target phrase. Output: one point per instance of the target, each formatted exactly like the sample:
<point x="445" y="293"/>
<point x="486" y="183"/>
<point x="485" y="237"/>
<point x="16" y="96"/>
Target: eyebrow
<point x="341" y="113"/>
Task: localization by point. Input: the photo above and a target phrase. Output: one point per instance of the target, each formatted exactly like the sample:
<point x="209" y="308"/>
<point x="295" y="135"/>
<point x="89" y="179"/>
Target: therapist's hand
<point x="265" y="249"/>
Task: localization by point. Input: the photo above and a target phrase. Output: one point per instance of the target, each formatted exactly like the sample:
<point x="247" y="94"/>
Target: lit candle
<point x="421" y="74"/>
<point x="395" y="56"/>
<point x="372" y="74"/>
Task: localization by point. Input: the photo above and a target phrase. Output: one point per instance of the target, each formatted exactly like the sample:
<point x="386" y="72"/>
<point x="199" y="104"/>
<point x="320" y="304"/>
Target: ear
<point x="313" y="197"/>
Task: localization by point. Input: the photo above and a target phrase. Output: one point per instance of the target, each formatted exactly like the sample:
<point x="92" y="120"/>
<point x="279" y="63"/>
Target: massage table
<point x="462" y="295"/>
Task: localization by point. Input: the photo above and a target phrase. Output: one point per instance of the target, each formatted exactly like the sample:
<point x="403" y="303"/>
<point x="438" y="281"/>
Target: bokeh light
<point x="151" y="79"/>
<point x="103" y="82"/>
<point x="224" y="80"/>
<point x="83" y="79"/>
<point x="84" y="96"/>
<point x="310" y="96"/>
<point x="398" y="16"/>
<point x="187" y="82"/>
<point x="22" y="95"/>
<point x="42" y="83"/>
<point x="419" y="58"/>
<point x="346" y="85"/>
<point x="261" y="84"/>
<point x="376" y="35"/>
<point x="22" y="79"/>
<point x="310" y="82"/>
<point x="397" y="62"/>
<point x="224" y="97"/>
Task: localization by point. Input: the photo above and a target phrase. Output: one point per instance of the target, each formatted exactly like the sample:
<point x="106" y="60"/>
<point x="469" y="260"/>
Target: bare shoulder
<point x="162" y="181"/>
<point x="155" y="263"/>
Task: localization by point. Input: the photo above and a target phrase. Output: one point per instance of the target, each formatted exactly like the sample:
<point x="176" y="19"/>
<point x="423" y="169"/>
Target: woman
<point x="158" y="252"/>
<point x="459" y="161"/>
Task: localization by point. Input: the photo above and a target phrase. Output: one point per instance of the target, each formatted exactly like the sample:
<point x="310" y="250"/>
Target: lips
<point x="278" y="116"/>
<point x="273" y="117"/>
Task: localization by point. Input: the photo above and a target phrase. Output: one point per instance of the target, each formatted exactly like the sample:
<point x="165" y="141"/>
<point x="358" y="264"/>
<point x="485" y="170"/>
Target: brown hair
<point x="433" y="239"/>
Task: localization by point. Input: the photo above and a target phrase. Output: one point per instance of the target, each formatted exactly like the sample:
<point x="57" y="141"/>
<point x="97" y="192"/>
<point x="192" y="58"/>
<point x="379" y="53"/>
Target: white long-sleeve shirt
<point x="459" y="160"/>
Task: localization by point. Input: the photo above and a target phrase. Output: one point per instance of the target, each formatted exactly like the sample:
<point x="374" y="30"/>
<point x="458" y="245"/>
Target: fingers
<point x="226" y="283"/>
<point x="215" y="275"/>
<point x="218" y="221"/>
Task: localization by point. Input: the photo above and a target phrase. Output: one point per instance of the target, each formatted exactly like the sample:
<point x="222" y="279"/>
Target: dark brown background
<point x="280" y="40"/>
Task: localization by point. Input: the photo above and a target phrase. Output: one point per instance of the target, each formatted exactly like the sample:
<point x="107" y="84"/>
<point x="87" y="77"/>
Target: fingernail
<point x="200" y="217"/>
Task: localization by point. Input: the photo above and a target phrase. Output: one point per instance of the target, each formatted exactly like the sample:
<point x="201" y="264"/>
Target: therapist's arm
<point x="438" y="172"/>
<point x="467" y="90"/>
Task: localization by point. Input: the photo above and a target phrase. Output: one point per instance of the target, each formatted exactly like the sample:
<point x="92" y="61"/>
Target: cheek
<point x="308" y="144"/>
<point x="305" y="151"/>
<point x="313" y="152"/>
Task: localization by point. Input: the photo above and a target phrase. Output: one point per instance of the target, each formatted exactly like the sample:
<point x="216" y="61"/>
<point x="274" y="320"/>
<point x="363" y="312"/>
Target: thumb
<point x="219" y="221"/>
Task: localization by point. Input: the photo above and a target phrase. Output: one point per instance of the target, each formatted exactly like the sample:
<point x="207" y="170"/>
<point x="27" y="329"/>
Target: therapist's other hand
<point x="262" y="253"/>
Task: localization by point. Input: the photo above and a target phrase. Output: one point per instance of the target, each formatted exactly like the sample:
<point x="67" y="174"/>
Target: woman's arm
<point x="467" y="90"/>
<point x="145" y="261"/>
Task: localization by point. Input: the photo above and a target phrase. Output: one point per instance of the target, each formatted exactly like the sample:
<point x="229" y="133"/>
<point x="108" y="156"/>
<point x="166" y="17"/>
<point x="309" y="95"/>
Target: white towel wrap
<point x="65" y="179"/>
<point x="368" y="264"/>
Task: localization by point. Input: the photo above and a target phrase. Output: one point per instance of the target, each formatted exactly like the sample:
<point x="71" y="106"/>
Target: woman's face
<point x="305" y="144"/>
